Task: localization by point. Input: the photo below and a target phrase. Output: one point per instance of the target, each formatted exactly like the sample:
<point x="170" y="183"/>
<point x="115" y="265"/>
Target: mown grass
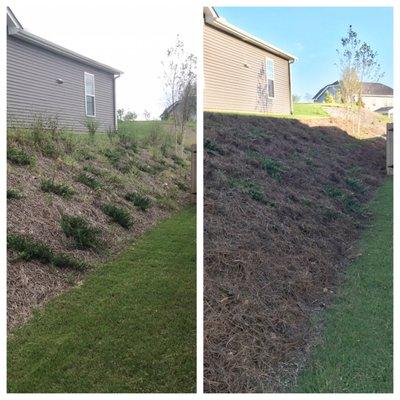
<point x="131" y="327"/>
<point x="357" y="349"/>
<point x="300" y="110"/>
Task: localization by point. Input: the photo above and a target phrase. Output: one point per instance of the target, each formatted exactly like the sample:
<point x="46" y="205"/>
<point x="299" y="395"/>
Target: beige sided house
<point x="243" y="73"/>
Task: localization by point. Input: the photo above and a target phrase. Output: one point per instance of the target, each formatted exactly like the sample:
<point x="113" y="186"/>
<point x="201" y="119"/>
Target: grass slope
<point x="356" y="355"/>
<point x="131" y="327"/>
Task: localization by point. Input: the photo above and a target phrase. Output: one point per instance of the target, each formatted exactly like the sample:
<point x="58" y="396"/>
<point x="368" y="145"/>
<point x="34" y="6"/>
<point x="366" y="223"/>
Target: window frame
<point x="86" y="74"/>
<point x="267" y="59"/>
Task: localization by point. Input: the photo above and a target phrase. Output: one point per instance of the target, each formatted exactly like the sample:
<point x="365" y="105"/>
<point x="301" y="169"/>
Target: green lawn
<point x="306" y="110"/>
<point x="131" y="327"/>
<point x="356" y="355"/>
<point x="300" y="110"/>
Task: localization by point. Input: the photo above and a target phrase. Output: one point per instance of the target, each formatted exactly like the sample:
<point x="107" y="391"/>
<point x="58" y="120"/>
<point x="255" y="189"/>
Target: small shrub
<point x="84" y="235"/>
<point x="92" y="170"/>
<point x="63" y="260"/>
<point x="89" y="181"/>
<point x="111" y="133"/>
<point x="167" y="203"/>
<point x="48" y="185"/>
<point x="211" y="147"/>
<point x="352" y="205"/>
<point x="13" y="194"/>
<point x="126" y="139"/>
<point x="139" y="201"/>
<point x="355" y="184"/>
<point x="91" y="125"/>
<point x="178" y="160"/>
<point x="274" y="168"/>
<point x="19" y="156"/>
<point x="118" y="215"/>
<point x="333" y="192"/>
<point x="30" y="249"/>
<point x="83" y="154"/>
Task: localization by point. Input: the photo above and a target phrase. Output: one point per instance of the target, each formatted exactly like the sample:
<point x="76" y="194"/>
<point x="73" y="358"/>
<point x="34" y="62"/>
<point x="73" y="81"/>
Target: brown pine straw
<point x="268" y="269"/>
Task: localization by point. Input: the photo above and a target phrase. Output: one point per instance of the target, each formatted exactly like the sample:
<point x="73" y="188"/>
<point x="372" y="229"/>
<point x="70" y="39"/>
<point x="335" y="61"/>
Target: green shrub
<point x="63" y="260"/>
<point x="93" y="170"/>
<point x="355" y="184"/>
<point x="118" y="215"/>
<point x="19" y="156"/>
<point x="48" y="185"/>
<point x="91" y="125"/>
<point x="13" y="194"/>
<point x="89" y="181"/>
<point x="30" y="249"/>
<point x="178" y="160"/>
<point x="211" y="147"/>
<point x="333" y="192"/>
<point x="274" y="168"/>
<point x="139" y="201"/>
<point x="84" y="235"/>
<point x="352" y="205"/>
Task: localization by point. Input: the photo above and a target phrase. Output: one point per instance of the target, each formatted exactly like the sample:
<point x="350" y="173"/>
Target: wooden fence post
<point x="389" y="148"/>
<point x="193" y="189"/>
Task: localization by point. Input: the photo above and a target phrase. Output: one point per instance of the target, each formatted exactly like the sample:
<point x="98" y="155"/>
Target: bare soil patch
<point x="283" y="208"/>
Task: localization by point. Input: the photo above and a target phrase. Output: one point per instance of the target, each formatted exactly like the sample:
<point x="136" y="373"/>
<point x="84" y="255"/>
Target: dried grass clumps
<point x="284" y="203"/>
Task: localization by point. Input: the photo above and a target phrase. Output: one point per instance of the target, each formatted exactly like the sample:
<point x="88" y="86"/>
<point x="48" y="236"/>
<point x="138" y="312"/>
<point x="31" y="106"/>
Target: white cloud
<point x="123" y="34"/>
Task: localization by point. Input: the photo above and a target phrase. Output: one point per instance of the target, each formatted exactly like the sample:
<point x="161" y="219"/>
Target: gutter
<point x="290" y="87"/>
<point x="115" y="101"/>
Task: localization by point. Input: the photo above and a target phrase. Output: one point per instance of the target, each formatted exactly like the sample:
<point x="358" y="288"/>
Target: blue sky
<point x="313" y="35"/>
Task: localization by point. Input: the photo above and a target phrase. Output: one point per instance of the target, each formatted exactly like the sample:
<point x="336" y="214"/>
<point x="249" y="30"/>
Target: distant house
<point x="47" y="80"/>
<point x="176" y="107"/>
<point x="375" y="96"/>
<point x="243" y="73"/>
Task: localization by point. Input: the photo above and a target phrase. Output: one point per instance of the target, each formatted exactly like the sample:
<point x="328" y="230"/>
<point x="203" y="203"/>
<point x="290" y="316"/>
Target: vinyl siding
<point x="32" y="89"/>
<point x="234" y="76"/>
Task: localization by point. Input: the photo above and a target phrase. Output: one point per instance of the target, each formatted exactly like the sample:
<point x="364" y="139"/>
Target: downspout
<point x="115" y="102"/>
<point x="290" y="87"/>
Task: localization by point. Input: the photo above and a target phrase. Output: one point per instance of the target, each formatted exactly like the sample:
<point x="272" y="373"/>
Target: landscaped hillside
<point x="284" y="204"/>
<point x="76" y="200"/>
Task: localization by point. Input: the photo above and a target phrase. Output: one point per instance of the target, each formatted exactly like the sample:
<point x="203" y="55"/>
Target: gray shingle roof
<point x="376" y="89"/>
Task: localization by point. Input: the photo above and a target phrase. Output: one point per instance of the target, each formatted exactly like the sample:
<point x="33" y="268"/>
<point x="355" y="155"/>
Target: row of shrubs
<point x="32" y="250"/>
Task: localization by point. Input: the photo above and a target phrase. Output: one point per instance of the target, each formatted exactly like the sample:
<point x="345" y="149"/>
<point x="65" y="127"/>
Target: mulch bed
<point x="273" y="261"/>
<point x="37" y="214"/>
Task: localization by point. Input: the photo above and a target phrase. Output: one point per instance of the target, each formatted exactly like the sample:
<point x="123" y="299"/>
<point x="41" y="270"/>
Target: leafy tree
<point x="120" y="114"/>
<point x="180" y="87"/>
<point x="358" y="63"/>
<point x="296" y="98"/>
<point x="130" y="116"/>
<point x="328" y="98"/>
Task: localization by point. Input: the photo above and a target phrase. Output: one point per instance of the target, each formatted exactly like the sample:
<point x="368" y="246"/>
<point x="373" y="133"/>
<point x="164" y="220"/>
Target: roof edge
<point x="212" y="18"/>
<point x="22" y="34"/>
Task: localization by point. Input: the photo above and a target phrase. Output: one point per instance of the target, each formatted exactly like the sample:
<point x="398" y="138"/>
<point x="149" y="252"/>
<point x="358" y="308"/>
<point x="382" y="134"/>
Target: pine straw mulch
<point x="37" y="214"/>
<point x="270" y="266"/>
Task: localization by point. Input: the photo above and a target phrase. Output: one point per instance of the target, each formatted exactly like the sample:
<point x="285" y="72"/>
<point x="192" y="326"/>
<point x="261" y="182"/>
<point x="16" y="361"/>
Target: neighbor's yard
<point x="357" y="349"/>
<point x="130" y="327"/>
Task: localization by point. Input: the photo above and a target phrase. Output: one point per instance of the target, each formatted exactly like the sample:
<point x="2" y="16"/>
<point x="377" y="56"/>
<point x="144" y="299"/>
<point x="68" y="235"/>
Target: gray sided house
<point x="48" y="81"/>
<point x="242" y="72"/>
<point x="375" y="96"/>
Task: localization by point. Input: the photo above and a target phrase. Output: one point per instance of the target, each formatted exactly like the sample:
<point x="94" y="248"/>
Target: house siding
<point x="32" y="89"/>
<point x="230" y="85"/>
<point x="375" y="102"/>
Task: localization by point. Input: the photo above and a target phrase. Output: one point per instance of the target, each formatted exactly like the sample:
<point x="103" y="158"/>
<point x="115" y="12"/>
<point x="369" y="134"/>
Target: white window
<point x="270" y="77"/>
<point x="90" y="105"/>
